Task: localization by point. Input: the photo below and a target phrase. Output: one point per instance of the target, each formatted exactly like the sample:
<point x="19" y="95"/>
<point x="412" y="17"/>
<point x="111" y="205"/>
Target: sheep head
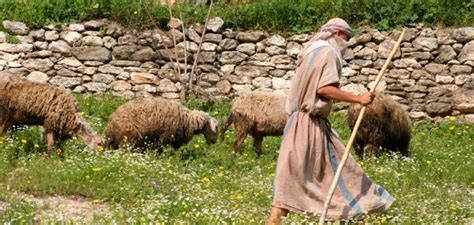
<point x="88" y="135"/>
<point x="210" y="131"/>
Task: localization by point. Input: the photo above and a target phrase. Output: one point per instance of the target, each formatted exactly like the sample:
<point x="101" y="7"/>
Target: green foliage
<point x="291" y="16"/>
<point x="211" y="184"/>
<point x="12" y="39"/>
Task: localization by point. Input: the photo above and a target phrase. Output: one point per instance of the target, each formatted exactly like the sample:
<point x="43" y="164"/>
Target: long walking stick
<point x="354" y="132"/>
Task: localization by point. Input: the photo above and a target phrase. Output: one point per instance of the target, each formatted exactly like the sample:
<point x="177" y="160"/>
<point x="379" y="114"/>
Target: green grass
<point x="211" y="184"/>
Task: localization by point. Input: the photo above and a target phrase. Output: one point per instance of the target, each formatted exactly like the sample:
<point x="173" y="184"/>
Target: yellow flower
<point x="381" y="170"/>
<point x="58" y="151"/>
<point x="88" y="177"/>
<point x="96" y="169"/>
<point x="23" y="141"/>
<point x="83" y="113"/>
<point x="227" y="136"/>
<point x="452" y="118"/>
<point x="220" y="174"/>
<point x="237" y="197"/>
<point x="135" y="12"/>
<point x="95" y="201"/>
<point x="361" y="163"/>
<point x="272" y="174"/>
<point x="36" y="146"/>
<point x="428" y="161"/>
<point x="221" y="167"/>
<point x="452" y="207"/>
<point x="100" y="148"/>
<point x="246" y="154"/>
<point x="196" y="146"/>
<point x="452" y="127"/>
<point x="459" y="133"/>
<point x="1" y="142"/>
<point x="216" y="113"/>
<point x="204" y="180"/>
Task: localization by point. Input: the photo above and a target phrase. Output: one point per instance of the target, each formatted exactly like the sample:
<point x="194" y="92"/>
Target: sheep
<point x="159" y="122"/>
<point x="23" y="102"/>
<point x="259" y="114"/>
<point x="385" y="124"/>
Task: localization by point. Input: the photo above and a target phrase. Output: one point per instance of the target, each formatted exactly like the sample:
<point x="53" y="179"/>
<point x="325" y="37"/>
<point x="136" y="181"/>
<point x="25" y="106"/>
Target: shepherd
<point x="310" y="150"/>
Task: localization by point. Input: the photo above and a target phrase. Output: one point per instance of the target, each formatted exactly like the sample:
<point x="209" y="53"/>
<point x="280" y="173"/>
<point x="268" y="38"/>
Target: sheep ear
<point x="213" y="123"/>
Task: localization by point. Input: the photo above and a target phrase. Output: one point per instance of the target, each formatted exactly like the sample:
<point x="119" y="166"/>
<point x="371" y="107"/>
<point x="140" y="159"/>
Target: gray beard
<point x="338" y="44"/>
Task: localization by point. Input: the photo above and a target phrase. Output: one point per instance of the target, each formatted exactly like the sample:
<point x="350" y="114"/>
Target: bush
<point x="291" y="16"/>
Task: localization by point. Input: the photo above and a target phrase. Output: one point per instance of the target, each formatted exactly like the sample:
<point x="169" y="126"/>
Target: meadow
<point x="212" y="184"/>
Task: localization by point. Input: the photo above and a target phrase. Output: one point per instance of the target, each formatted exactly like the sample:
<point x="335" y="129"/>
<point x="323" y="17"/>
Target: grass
<point x="211" y="184"/>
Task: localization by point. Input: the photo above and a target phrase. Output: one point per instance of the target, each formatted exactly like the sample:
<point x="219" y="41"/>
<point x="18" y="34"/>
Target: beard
<point x="338" y="44"/>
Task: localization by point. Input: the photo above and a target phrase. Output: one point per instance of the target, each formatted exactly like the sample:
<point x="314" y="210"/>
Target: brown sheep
<point x="23" y="102"/>
<point x="158" y="121"/>
<point x="385" y="124"/>
<point x="259" y="114"/>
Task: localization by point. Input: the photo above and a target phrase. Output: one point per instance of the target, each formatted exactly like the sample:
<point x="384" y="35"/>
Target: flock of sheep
<point x="158" y="122"/>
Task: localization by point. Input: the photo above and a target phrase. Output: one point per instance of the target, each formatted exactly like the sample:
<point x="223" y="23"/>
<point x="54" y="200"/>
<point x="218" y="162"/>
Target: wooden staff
<point x="354" y="132"/>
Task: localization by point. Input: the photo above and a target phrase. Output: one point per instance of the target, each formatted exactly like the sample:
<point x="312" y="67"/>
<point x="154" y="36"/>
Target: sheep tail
<point x="227" y="121"/>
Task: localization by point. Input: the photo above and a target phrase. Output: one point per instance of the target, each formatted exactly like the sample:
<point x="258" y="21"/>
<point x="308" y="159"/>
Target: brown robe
<point x="310" y="149"/>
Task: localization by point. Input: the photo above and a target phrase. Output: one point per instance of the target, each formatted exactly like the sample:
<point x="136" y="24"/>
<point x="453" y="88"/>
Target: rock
<point x="252" y="36"/>
<point x="241" y="89"/>
<point x="208" y="47"/>
<point x="463" y="34"/>
<point x="95" y="87"/>
<point x="93" y="63"/>
<point x="110" y="69"/>
<point x="467" y="53"/>
<point x="356" y="89"/>
<point x="281" y="59"/>
<point x="66" y="82"/>
<point x="435" y="68"/>
<point x="247" y="48"/>
<point x="459" y="69"/>
<point x="300" y="38"/>
<point x="170" y="95"/>
<point x="224" y="86"/>
<point x="438" y="109"/>
<point x="418" y="55"/>
<point x="70" y="37"/>
<point x="95" y="24"/>
<point x="193" y="35"/>
<point x="380" y="87"/>
<point x="277" y="73"/>
<point x="215" y="24"/>
<point x="366" y="53"/>
<point x="144" y="88"/>
<point x="15" y="48"/>
<point x="124" y="63"/>
<point x="207" y="57"/>
<point x="416" y="88"/>
<point x="166" y="86"/>
<point x="407" y="63"/>
<point x="79" y="89"/>
<point x="250" y="71"/>
<point x="127" y="40"/>
<point x="363" y="38"/>
<point x="369" y="71"/>
<point x="3" y="37"/>
<point x="425" y="43"/>
<point x="276" y="40"/>
<point x="42" y="65"/>
<point x="37" y="34"/>
<point x="9" y="57"/>
<point x="418" y="74"/>
<point x="17" y="28"/>
<point x="175" y="23"/>
<point x="103" y="78"/>
<point x="362" y="62"/>
<point x="189" y="46"/>
<point x="293" y="49"/>
<point x="144" y="54"/>
<point x="274" y="50"/>
<point x="66" y="73"/>
<point x="211" y="77"/>
<point x="228" y="44"/>
<point x="121" y="86"/>
<point x="348" y="72"/>
<point x="39" y="54"/>
<point x="262" y="82"/>
<point x="214" y="38"/>
<point x="91" y="41"/>
<point x="51" y="35"/>
<point x="417" y="115"/>
<point x="38" y="77"/>
<point x="91" y="53"/>
<point x="446" y="53"/>
<point x="76" y="27"/>
<point x="462" y="79"/>
<point x="71" y="61"/>
<point x="261" y="57"/>
<point x="60" y="47"/>
<point x="109" y="42"/>
<point x="232" y="57"/>
<point x="280" y="83"/>
<point x="385" y="48"/>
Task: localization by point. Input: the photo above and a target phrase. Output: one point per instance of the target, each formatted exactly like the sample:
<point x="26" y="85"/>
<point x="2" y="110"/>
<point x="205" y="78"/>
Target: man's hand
<point x="366" y="98"/>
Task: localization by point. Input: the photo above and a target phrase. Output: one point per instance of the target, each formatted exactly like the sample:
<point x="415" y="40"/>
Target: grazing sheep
<point x="158" y="121"/>
<point x="385" y="124"/>
<point x="259" y="114"/>
<point x="23" y="102"/>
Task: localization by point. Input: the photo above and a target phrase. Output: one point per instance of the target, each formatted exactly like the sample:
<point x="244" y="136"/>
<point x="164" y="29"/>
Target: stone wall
<point x="98" y="56"/>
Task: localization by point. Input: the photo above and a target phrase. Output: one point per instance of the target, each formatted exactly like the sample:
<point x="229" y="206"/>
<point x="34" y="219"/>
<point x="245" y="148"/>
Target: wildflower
<point x="227" y="136"/>
<point x="170" y="171"/>
<point x="237" y="197"/>
<point x="246" y="154"/>
<point x="83" y="113"/>
<point x="204" y="180"/>
<point x="1" y="141"/>
<point x="221" y="167"/>
<point x="216" y="113"/>
<point x="452" y="127"/>
<point x="196" y="146"/>
<point x="459" y="133"/>
<point x="220" y="174"/>
<point x="88" y="177"/>
<point x="452" y="118"/>
<point x="361" y="163"/>
<point x="100" y="148"/>
<point x="95" y="201"/>
<point x="36" y="146"/>
<point x="272" y="174"/>
<point x="381" y="170"/>
<point x="58" y="151"/>
<point x="135" y="12"/>
<point x="96" y="169"/>
<point x="452" y="207"/>
<point x="428" y="161"/>
<point x="23" y="141"/>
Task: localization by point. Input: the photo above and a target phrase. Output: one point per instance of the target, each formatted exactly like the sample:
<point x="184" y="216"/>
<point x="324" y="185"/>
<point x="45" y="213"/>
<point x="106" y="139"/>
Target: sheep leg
<point x="50" y="141"/>
<point x="240" y="140"/>
<point x="257" y="144"/>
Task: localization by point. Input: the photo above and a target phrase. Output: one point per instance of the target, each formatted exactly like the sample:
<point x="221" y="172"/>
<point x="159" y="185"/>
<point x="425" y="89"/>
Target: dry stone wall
<point x="431" y="74"/>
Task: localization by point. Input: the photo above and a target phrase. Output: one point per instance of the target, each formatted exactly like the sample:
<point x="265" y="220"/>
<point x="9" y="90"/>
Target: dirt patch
<point x="75" y="209"/>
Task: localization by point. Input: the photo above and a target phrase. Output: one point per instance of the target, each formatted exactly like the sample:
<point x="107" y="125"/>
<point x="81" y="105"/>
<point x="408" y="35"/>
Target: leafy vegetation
<point x="212" y="184"/>
<point x="274" y="15"/>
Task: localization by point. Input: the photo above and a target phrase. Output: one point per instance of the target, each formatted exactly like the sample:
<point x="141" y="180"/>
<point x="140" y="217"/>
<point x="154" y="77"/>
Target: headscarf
<point x="326" y="33"/>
